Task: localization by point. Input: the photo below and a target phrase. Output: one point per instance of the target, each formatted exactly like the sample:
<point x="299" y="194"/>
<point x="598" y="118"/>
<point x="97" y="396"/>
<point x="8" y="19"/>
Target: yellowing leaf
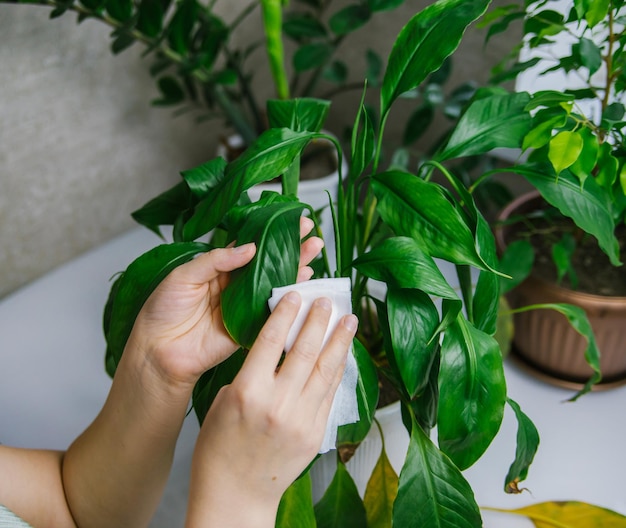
<point x="569" y="514"/>
<point x="380" y="493"/>
<point x="564" y="149"/>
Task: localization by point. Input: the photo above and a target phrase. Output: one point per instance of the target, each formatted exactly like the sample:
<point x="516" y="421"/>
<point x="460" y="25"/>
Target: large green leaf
<point x="205" y="177"/>
<point x="134" y="287"/>
<point x="296" y="505"/>
<point x="367" y="393"/>
<point x="341" y="506"/>
<point x="275" y="230"/>
<point x="527" y="444"/>
<point x="422" y="210"/>
<point x="414" y="350"/>
<point x="494" y="121"/>
<point x="589" y="207"/>
<point x="472" y="392"/>
<point x="381" y="491"/>
<point x="421" y="47"/>
<point x="268" y="157"/>
<point x="432" y="491"/>
<point x="401" y="263"/>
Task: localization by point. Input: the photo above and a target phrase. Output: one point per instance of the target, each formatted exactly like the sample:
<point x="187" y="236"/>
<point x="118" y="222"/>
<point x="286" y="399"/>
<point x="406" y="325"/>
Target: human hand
<point x="180" y="331"/>
<point x="265" y="428"/>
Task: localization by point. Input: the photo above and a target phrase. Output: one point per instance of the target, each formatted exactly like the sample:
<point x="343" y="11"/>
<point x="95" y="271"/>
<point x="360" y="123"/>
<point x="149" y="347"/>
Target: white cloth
<point x="345" y="409"/>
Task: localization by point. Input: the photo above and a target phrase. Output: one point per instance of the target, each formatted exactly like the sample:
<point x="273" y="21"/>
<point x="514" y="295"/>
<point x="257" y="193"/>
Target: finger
<point x="309" y="249"/>
<point x="270" y="343"/>
<point x="209" y="265"/>
<point x="301" y="359"/>
<point x="322" y="383"/>
<point x="306" y="226"/>
<point x="304" y="274"/>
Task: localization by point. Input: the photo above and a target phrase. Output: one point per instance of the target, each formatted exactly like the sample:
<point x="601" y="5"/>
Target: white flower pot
<point x="361" y="465"/>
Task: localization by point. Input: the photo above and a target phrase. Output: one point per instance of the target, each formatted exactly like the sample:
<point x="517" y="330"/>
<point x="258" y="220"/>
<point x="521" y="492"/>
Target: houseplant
<point x="389" y="226"/>
<point x="202" y="59"/>
<point x="576" y="227"/>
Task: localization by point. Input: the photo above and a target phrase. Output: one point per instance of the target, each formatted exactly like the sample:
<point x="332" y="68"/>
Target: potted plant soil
<point x="570" y="235"/>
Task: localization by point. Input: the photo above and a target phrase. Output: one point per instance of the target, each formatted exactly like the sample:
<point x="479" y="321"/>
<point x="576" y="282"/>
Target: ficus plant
<point x="576" y="144"/>
<point x="431" y="341"/>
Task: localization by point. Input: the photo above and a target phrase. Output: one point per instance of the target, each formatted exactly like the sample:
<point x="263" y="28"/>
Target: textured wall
<point x="80" y="146"/>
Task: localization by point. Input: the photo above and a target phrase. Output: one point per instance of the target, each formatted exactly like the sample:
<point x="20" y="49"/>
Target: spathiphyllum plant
<point x="391" y="226"/>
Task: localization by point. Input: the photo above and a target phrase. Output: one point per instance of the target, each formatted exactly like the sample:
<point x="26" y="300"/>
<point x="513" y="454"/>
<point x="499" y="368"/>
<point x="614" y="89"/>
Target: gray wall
<point x="80" y="146"/>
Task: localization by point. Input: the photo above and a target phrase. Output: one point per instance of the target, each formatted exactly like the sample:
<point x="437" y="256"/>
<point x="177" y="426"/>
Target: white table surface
<point x="53" y="383"/>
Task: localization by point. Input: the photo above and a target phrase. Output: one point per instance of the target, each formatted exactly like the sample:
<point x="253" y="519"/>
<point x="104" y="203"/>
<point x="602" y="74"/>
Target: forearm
<point x="115" y="472"/>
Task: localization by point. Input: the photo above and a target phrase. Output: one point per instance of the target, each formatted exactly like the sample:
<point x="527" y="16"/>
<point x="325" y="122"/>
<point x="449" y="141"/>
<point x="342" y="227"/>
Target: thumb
<point x="207" y="266"/>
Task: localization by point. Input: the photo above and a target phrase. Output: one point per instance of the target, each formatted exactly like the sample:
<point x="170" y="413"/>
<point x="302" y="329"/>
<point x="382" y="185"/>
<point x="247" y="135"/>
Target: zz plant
<point x="392" y="226"/>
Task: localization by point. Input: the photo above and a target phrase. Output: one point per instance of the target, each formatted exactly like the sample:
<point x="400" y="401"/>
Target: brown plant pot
<point x="545" y="340"/>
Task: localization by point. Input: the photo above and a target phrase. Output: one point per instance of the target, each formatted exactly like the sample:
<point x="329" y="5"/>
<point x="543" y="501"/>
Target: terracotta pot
<point x="545" y="339"/>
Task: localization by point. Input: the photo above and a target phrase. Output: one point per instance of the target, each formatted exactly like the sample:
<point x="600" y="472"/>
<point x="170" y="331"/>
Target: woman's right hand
<point x="265" y="428"/>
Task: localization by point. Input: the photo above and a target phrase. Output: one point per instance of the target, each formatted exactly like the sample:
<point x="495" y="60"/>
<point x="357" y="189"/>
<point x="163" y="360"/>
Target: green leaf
<point x="517" y="262"/>
<point x="205" y="177"/>
<point x="210" y="383"/>
<point x="564" y="149"/>
<point x="181" y="25"/>
<point x="121" y="41"/>
<point x="165" y="209"/>
<point x="380" y="493"/>
<point x="401" y="263"/>
<point x="136" y="284"/>
<point x="367" y="398"/>
<point x="597" y="11"/>
<point x="171" y="92"/>
<point x="300" y="26"/>
<point x="362" y="143"/>
<point x="590" y="207"/>
<point x="580" y="323"/>
<point x="383" y="5"/>
<point x="268" y="157"/>
<point x="586" y="161"/>
<point x="275" y="230"/>
<point x="527" y="444"/>
<point x="432" y="491"/>
<point x="562" y="253"/>
<point x="415" y="351"/>
<point x="419" y="49"/>
<point x="472" y="392"/>
<point x="336" y="72"/>
<point x="341" y="506"/>
<point x="296" y="505"/>
<point x="544" y="122"/>
<point x="311" y="56"/>
<point x="150" y="17"/>
<point x="418" y="123"/>
<point x="590" y="55"/>
<point x="494" y="121"/>
<point x="301" y="115"/>
<point x="421" y="210"/>
<point x="487" y="291"/>
<point x="121" y="10"/>
<point x="608" y="166"/>
<point x="349" y="19"/>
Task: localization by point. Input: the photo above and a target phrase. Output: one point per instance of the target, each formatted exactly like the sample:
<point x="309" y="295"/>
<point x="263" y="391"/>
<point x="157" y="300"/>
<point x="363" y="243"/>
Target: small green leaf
<point x="418" y="123"/>
<point x="311" y="56"/>
<point x="517" y="262"/>
<point x="150" y="19"/>
<point x="564" y="150"/>
<point x="562" y="253"/>
<point x="384" y="5"/>
<point x="172" y="92"/>
<point x="341" y="506"/>
<point x="301" y="114"/>
<point x="349" y="19"/>
<point x="362" y="143"/>
<point x="590" y="55"/>
<point x="527" y="444"/>
<point x="381" y="491"/>
<point x="121" y="10"/>
<point x="301" y="26"/>
<point x="296" y="505"/>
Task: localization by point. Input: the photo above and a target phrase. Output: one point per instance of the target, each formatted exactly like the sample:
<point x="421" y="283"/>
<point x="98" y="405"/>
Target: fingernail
<point x="350" y="322"/>
<point x="324" y="303"/>
<point x="243" y="248"/>
<point x="292" y="297"/>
